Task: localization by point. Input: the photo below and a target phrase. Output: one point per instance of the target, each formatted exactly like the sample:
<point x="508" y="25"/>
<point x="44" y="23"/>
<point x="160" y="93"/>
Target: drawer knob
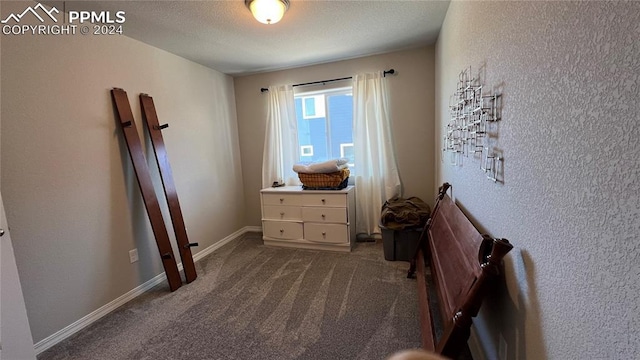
<point x="324" y="216"/>
<point x="281" y="231"/>
<point x="281" y="200"/>
<point x="282" y="213"/>
<point x="323" y="201"/>
<point x="324" y="234"/>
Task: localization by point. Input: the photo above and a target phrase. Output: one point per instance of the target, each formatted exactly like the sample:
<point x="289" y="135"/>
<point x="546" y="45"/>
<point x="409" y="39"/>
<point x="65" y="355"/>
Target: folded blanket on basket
<point x="325" y="167"/>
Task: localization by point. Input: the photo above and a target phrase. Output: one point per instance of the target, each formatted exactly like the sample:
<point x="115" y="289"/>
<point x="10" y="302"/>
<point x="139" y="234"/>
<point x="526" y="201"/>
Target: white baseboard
<point x="223" y="242"/>
<point x="94" y="316"/>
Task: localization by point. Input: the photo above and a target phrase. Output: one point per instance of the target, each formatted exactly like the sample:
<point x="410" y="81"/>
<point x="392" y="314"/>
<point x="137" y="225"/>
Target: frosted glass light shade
<point x="267" y="11"/>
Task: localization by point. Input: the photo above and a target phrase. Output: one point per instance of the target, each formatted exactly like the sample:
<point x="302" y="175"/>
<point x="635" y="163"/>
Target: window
<point x="346" y="151"/>
<point x="313" y="107"/>
<point x="306" y="150"/>
<point x="325" y="125"/>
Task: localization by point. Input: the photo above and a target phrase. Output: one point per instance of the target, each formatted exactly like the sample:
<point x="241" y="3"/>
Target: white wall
<point x="411" y="106"/>
<point x="15" y="335"/>
<point x="569" y="74"/>
<point x="70" y="192"/>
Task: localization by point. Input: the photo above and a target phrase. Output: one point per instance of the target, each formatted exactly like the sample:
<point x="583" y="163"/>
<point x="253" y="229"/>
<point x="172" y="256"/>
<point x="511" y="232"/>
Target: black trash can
<point x="401" y="222"/>
<point x="400" y="245"/>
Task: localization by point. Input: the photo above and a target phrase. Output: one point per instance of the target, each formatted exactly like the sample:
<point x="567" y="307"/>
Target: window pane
<point x="325" y="125"/>
<point x="341" y="124"/>
<point x="306" y="150"/>
<point x="346" y="151"/>
<point x="312" y="132"/>
<point x="313" y="106"/>
<point x="309" y="107"/>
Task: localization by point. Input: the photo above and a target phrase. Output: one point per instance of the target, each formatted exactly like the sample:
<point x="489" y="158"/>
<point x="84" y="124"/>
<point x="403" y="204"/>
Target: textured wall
<point x="570" y="75"/>
<point x="70" y="193"/>
<point x="411" y="106"/>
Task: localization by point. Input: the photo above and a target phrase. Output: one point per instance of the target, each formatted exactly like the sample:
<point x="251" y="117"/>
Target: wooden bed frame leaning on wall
<point x="463" y="264"/>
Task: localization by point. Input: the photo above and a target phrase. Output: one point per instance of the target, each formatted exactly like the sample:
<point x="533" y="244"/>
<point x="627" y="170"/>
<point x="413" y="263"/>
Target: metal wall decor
<point x="470" y="130"/>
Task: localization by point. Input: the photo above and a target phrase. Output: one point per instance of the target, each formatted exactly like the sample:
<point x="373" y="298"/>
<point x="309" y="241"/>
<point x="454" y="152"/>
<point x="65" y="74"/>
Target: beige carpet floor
<point x="256" y="302"/>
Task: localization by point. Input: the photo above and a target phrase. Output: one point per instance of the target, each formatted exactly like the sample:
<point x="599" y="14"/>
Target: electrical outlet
<point x="502" y="348"/>
<point x="133" y="255"/>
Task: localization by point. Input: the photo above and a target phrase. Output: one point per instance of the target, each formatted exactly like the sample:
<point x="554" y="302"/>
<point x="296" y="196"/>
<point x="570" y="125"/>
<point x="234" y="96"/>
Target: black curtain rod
<point x="384" y="74"/>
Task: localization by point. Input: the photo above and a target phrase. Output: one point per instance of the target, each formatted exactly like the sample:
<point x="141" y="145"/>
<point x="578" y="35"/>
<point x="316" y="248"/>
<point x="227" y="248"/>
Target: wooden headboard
<point x="463" y="264"/>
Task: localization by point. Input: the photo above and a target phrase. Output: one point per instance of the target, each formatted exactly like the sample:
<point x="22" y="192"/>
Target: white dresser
<point x="310" y="219"/>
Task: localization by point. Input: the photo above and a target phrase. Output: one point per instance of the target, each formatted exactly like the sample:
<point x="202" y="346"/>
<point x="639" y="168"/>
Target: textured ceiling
<point x="223" y="35"/>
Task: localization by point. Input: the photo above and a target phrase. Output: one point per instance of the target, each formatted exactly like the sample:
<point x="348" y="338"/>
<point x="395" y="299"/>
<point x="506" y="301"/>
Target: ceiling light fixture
<point x="267" y="11"/>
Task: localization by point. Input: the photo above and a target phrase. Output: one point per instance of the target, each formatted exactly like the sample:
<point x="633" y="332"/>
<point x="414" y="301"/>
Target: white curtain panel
<point x="281" y="138"/>
<point x="376" y="170"/>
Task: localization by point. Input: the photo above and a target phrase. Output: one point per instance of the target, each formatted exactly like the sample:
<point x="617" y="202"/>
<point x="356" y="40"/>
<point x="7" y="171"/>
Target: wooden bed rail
<point x="463" y="265"/>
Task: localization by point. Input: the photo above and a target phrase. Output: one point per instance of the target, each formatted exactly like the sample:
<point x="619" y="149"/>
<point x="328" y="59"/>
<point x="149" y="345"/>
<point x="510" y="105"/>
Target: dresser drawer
<point x="274" y="212"/>
<point x="281" y="199"/>
<point x="324" y="214"/>
<point x="332" y="200"/>
<point x="326" y="233"/>
<point x="282" y="229"/>
<point x="308" y="219"/>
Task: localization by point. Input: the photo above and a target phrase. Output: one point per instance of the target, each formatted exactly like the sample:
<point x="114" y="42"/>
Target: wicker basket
<point x="330" y="180"/>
